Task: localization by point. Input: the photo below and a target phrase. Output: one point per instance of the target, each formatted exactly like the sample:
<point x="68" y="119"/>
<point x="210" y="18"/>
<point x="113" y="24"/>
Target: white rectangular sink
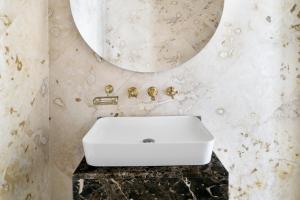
<point x="148" y="141"/>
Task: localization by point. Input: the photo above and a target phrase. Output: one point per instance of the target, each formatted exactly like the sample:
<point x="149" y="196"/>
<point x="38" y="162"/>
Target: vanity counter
<point x="146" y="183"/>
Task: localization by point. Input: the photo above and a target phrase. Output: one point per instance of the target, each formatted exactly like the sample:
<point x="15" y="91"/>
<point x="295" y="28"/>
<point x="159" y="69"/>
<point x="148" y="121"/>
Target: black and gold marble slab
<point x="207" y="182"/>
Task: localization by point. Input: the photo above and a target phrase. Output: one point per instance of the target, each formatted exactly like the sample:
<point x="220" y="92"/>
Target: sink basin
<point x="148" y="141"/>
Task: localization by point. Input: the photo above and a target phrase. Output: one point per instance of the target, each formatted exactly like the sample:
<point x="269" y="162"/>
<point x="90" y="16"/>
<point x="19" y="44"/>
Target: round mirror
<point x="147" y="35"/>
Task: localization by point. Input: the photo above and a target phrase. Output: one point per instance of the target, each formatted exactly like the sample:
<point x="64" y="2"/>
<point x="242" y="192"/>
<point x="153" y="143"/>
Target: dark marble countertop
<point x="168" y="182"/>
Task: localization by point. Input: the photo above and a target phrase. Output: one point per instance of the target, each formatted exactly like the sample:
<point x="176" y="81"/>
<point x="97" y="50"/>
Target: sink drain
<point x="148" y="140"/>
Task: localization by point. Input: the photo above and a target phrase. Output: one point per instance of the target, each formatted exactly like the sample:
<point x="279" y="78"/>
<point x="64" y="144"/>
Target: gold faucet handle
<point x="133" y="92"/>
<point x="171" y="91"/>
<point x="109" y="89"/>
<point x="152" y="92"/>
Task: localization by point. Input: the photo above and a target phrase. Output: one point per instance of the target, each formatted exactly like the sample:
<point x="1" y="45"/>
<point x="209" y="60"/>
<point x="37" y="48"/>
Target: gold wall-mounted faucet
<point x="133" y="92"/>
<point x="171" y="92"/>
<point x="108" y="100"/>
<point x="152" y="92"/>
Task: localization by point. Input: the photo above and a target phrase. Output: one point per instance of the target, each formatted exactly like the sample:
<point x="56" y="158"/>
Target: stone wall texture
<point x="245" y="84"/>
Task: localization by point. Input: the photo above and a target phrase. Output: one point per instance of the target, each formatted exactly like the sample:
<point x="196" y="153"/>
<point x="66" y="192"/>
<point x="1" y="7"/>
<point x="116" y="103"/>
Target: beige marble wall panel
<point x="24" y="100"/>
<point x="245" y="84"/>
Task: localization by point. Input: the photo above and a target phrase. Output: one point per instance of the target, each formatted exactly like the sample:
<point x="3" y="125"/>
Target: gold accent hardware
<point x="152" y="92"/>
<point x="108" y="100"/>
<point x="133" y="92"/>
<point x="109" y="89"/>
<point x="113" y="100"/>
<point x="171" y="91"/>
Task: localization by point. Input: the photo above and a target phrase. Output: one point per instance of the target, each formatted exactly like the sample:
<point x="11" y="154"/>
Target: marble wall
<point x="245" y="84"/>
<point x="24" y="95"/>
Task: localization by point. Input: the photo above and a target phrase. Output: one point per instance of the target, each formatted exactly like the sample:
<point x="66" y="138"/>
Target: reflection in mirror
<point x="147" y="35"/>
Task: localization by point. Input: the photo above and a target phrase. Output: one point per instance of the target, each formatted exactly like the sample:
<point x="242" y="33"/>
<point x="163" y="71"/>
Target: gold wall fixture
<point x="113" y="100"/>
<point x="108" y="100"/>
<point x="152" y="92"/>
<point x="171" y="92"/>
<point x="109" y="89"/>
<point x="133" y="92"/>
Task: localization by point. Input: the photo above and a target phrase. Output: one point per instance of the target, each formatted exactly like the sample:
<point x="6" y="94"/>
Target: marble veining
<point x="207" y="182"/>
<point x="244" y="83"/>
<point x="24" y="95"/>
